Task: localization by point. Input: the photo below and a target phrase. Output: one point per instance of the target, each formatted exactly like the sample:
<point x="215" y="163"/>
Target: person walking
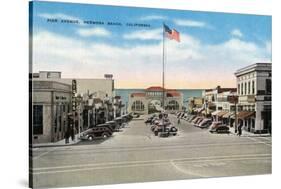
<point x="179" y="121"/>
<point x="72" y="133"/>
<point x="67" y="135"/>
<point x="240" y="128"/>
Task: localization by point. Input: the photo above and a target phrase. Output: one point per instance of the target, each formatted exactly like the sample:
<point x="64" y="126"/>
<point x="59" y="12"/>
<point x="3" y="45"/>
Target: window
<point x="253" y="87"/>
<point x="241" y="88"/>
<point x="238" y="89"/>
<point x="173" y="105"/>
<point x="138" y="106"/>
<point x="37" y="119"/>
<point x="268" y="86"/>
<point x="245" y="88"/>
<point x="249" y="87"/>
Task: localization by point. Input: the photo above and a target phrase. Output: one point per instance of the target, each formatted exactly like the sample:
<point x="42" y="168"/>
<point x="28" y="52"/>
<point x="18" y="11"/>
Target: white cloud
<point x="153" y="17"/>
<point x="236" y="33"/>
<point x="155" y="34"/>
<point x="97" y="31"/>
<point x="268" y="46"/>
<point x="190" y="23"/>
<point x="190" y="63"/>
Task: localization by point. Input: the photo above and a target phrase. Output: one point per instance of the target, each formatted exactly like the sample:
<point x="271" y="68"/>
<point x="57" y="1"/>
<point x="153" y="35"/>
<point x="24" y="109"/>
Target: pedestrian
<point x="179" y="121"/>
<point x="240" y="128"/>
<point x="72" y="133"/>
<point x="67" y="135"/>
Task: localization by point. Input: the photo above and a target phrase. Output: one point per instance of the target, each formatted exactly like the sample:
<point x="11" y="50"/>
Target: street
<point x="136" y="155"/>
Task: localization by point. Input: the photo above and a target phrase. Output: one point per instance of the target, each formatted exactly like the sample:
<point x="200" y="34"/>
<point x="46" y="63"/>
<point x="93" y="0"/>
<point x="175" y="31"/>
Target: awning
<point x="215" y="112"/>
<point x="228" y="114"/>
<point x="243" y="115"/>
<point x="221" y="113"/>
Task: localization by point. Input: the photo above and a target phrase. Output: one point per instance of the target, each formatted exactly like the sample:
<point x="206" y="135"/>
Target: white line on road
<point x="154" y="161"/>
<point x="149" y="163"/>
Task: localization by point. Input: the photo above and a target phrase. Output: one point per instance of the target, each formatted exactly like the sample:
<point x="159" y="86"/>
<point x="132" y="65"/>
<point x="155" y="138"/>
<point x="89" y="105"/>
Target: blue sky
<point x="212" y="44"/>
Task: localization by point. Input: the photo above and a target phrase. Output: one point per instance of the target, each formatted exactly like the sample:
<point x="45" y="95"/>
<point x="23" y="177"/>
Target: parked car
<point x="191" y="117"/>
<point x="205" y="123"/>
<point x="99" y="131"/>
<point x="114" y="125"/>
<point x="218" y="127"/>
<point x="195" y="120"/>
<point x="179" y="114"/>
<point x="196" y="123"/>
<point x="135" y="115"/>
<point x="164" y="129"/>
<point x="182" y="115"/>
<point x="119" y="121"/>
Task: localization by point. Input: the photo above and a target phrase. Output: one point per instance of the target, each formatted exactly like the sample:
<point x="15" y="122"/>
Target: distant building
<point x="254" y="91"/>
<point x="195" y="104"/>
<point x="51" y="102"/>
<point x="150" y="100"/>
<point x="216" y="102"/>
<point x="84" y="86"/>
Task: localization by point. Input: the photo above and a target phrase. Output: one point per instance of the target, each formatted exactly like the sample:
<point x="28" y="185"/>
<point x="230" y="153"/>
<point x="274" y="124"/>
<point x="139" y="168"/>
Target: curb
<point x="53" y="145"/>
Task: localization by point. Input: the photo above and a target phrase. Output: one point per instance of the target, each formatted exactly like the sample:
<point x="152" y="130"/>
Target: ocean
<point x="187" y="93"/>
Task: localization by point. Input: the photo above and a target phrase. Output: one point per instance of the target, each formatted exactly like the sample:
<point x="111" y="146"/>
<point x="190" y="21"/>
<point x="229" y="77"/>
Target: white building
<point x="51" y="102"/>
<point x="151" y="99"/>
<point x="84" y="85"/>
<point x="216" y="101"/>
<point x="254" y="91"/>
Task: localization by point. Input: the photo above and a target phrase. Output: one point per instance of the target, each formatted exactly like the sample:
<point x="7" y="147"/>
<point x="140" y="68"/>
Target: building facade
<point x="216" y="100"/>
<point x="51" y="102"/>
<point x="254" y="91"/>
<point x="151" y="100"/>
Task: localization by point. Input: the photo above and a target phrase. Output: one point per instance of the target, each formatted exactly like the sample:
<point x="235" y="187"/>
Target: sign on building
<point x="74" y="91"/>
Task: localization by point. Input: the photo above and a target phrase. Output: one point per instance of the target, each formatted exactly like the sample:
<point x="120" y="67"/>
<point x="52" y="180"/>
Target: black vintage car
<point x="115" y="126"/>
<point x="100" y="131"/>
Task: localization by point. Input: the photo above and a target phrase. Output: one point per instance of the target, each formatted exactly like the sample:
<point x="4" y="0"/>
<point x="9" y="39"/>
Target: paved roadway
<point x="136" y="155"/>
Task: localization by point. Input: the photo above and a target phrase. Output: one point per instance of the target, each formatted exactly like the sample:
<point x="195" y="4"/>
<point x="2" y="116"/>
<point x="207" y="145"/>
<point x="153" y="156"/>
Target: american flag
<point x="172" y="34"/>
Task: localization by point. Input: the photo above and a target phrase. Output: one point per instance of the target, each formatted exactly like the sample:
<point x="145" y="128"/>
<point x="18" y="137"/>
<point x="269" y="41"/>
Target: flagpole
<point x="163" y="71"/>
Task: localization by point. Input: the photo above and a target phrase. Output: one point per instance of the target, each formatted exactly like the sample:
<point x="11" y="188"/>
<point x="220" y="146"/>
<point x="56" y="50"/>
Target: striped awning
<point x="221" y="113"/>
<point x="243" y="114"/>
<point x="215" y="112"/>
<point x="228" y="114"/>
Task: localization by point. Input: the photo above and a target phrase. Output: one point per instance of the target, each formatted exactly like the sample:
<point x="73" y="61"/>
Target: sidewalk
<point x="248" y="134"/>
<point x="58" y="143"/>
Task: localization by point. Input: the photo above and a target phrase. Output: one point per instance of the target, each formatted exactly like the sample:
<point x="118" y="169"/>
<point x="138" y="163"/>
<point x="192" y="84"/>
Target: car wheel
<point x="90" y="138"/>
<point x="105" y="135"/>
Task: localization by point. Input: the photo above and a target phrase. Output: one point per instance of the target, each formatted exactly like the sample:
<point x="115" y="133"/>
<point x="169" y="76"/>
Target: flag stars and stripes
<point x="171" y="34"/>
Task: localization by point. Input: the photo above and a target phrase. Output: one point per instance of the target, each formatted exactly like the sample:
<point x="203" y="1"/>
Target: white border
<point x="14" y="92"/>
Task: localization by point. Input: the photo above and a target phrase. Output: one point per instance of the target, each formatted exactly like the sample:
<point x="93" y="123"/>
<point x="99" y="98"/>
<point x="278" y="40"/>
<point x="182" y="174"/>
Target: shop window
<point x="37" y="119"/>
